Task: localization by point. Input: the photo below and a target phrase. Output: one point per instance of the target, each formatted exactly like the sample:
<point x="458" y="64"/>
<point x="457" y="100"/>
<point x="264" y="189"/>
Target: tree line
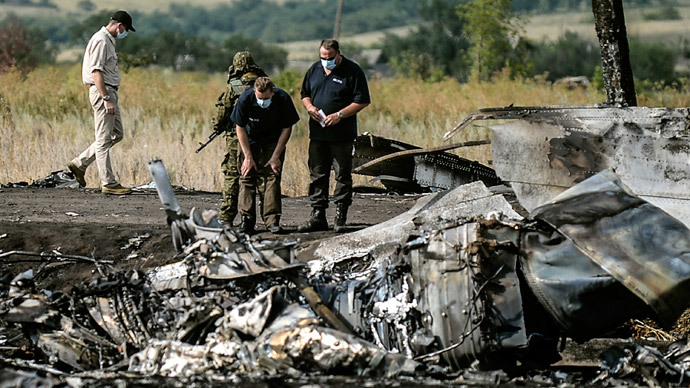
<point x="477" y="38"/>
<point x="453" y="38"/>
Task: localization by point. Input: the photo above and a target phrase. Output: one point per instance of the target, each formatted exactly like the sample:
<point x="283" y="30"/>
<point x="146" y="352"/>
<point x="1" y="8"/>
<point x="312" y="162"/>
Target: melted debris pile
<point x="56" y="179"/>
<point x="230" y="307"/>
<point x="463" y="284"/>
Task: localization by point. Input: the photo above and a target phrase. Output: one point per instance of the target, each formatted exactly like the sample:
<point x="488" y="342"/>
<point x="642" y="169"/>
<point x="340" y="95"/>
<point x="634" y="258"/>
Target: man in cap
<point x="241" y="76"/>
<point x="100" y="72"/>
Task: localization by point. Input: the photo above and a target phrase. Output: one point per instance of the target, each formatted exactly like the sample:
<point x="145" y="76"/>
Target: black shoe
<point x="316" y="223"/>
<point x="340" y="218"/>
<point x="275" y="229"/>
<point x="247" y="226"/>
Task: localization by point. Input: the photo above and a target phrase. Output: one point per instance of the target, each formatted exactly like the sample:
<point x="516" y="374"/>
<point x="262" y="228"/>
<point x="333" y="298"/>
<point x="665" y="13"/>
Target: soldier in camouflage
<point x="241" y="76"/>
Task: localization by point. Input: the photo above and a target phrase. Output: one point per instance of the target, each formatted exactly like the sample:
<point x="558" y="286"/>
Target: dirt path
<point x="88" y="223"/>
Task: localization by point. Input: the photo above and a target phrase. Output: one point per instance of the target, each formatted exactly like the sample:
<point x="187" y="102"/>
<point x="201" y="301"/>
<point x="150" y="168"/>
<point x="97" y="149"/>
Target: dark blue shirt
<point x="264" y="125"/>
<point x="346" y="84"/>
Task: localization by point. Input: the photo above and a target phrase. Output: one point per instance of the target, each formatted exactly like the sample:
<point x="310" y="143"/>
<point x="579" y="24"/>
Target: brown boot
<point x="316" y="223"/>
<point x="118" y="189"/>
<point x="78" y="174"/>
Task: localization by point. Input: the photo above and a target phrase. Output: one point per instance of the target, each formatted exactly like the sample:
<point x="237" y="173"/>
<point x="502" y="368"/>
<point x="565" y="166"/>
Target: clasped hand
<point x="331" y="119"/>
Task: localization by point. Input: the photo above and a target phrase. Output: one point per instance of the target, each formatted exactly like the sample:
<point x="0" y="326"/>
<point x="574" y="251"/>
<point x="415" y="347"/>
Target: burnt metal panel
<point x="236" y="264"/>
<point x="445" y="171"/>
<point x="402" y="167"/>
<point x="369" y="147"/>
<point x="165" y="191"/>
<point x="469" y="298"/>
<point x="446" y="207"/>
<point x="572" y="288"/>
<point x="639" y="244"/>
<point x="549" y="149"/>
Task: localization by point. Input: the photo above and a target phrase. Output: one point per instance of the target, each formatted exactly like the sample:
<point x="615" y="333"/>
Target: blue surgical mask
<point x="263" y="103"/>
<point x="121" y="35"/>
<point x="328" y="63"/>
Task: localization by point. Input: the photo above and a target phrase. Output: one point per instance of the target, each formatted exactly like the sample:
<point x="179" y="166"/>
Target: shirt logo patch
<point x="338" y="80"/>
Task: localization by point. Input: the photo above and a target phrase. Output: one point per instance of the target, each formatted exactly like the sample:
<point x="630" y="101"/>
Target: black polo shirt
<point x="264" y="125"/>
<point x="346" y="84"/>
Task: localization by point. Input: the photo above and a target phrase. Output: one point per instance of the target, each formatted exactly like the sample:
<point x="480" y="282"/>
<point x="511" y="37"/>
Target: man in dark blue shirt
<point x="264" y="116"/>
<point x="334" y="90"/>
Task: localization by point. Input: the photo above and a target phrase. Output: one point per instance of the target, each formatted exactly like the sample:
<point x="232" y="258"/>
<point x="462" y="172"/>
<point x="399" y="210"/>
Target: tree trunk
<point x="338" y="16"/>
<point x="615" y="53"/>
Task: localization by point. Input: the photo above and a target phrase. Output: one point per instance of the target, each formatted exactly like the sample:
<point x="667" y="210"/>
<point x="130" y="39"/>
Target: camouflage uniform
<point x="241" y="76"/>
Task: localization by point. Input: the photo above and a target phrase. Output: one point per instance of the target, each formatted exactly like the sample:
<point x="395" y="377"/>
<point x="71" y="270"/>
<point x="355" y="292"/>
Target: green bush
<point x="289" y="80"/>
<point x="417" y="65"/>
<point x="441" y="38"/>
<point x="569" y="55"/>
<point x="665" y="13"/>
<point x="598" y="78"/>
<point x="653" y="61"/>
<point x="190" y="52"/>
<point x="23" y="48"/>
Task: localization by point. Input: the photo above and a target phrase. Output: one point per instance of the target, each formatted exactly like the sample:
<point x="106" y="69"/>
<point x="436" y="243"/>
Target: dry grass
<point x="551" y="26"/>
<point x="649" y="329"/>
<point x="45" y="120"/>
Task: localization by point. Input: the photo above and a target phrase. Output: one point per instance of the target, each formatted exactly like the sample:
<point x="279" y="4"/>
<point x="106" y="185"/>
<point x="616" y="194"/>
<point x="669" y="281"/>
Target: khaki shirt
<point x="100" y="55"/>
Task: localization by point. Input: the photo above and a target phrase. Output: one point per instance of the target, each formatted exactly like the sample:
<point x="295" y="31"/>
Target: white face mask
<point x="121" y="35"/>
<point x="328" y="63"/>
<point x="263" y="103"/>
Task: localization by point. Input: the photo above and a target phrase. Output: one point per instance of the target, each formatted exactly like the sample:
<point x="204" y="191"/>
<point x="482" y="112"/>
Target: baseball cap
<point x="124" y="18"/>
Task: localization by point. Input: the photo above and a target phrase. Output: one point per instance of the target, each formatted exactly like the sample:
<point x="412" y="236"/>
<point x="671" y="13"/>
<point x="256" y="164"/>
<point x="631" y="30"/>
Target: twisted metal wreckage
<point x="467" y="277"/>
<point x="582" y="226"/>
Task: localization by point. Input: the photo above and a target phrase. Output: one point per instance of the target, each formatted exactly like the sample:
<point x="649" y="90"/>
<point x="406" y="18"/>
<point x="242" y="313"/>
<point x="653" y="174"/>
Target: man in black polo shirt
<point x="264" y="116"/>
<point x="333" y="91"/>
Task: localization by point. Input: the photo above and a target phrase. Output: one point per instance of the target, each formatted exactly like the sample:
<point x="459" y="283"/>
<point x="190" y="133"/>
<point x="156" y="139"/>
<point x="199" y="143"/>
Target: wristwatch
<point x="340" y="115"/>
<point x="106" y="97"/>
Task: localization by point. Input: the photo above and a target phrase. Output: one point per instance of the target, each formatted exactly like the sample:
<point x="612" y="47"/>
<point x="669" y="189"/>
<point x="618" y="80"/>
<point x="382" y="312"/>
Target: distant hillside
<point x="205" y="33"/>
<point x="280" y="21"/>
<point x="270" y="21"/>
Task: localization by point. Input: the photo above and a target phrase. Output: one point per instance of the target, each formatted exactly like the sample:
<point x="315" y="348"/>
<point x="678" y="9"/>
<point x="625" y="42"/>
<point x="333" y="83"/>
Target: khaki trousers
<point x="108" y="132"/>
<point x="266" y="182"/>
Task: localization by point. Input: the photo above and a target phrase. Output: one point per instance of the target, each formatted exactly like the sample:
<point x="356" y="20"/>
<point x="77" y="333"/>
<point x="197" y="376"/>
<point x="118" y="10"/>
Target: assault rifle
<point x="210" y="139"/>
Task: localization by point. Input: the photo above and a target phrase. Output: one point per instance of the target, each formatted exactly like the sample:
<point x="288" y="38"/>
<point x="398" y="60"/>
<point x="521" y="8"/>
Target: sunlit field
<point x="46" y="120"/>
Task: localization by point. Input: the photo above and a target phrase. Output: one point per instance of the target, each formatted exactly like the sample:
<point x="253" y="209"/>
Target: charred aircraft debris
<point x="405" y="168"/>
<point x="465" y="283"/>
<point x="582" y="226"/>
